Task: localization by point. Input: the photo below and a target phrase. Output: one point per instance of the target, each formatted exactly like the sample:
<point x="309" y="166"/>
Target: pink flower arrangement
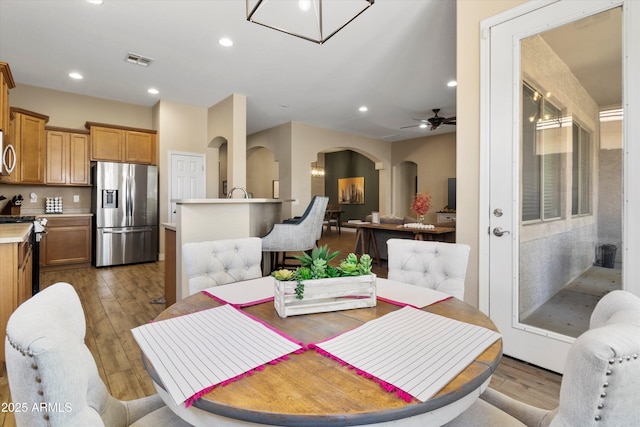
<point x="421" y="203"/>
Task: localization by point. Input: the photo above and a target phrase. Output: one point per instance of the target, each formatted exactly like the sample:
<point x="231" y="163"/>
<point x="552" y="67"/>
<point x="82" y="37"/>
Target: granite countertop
<point x="52" y="215"/>
<point x="169" y="225"/>
<point x="15" y="232"/>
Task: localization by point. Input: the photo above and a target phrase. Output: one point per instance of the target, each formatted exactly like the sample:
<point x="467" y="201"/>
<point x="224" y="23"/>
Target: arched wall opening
<point x="347" y="170"/>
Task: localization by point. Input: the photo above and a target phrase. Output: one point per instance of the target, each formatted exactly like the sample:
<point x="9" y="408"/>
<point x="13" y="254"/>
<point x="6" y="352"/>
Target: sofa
<point x="381" y="236"/>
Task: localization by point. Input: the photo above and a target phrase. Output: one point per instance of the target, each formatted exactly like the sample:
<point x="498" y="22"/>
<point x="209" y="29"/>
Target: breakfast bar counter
<point x="199" y="220"/>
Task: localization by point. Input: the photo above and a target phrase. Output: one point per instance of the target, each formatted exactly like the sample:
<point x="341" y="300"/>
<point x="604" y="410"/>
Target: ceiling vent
<point x="134" y="58"/>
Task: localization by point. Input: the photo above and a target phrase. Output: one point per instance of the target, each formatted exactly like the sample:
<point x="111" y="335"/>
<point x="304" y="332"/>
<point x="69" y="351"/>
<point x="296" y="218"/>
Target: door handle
<point x="498" y="231"/>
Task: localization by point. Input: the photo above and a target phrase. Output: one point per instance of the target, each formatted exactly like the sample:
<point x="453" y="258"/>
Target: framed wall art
<point x="351" y="191"/>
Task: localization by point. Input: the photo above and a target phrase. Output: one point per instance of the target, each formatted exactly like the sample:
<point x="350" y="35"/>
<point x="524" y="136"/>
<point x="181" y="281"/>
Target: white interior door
<point x="187" y="179"/>
<point x="542" y="225"/>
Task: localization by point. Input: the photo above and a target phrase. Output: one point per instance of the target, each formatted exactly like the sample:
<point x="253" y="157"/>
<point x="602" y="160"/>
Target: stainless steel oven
<point x="37" y="233"/>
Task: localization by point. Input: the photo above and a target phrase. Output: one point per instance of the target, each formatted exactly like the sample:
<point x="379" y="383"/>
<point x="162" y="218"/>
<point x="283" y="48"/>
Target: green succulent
<point x="365" y="264"/>
<point x="316" y="266"/>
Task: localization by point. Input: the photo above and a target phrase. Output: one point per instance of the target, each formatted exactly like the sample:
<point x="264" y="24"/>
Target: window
<point x="541" y="157"/>
<point x="581" y="171"/>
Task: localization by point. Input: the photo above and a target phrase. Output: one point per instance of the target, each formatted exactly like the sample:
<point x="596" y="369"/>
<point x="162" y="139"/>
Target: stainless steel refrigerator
<point x="125" y="206"/>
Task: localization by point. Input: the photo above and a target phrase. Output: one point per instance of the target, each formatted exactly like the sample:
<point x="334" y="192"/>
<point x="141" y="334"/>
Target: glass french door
<point x="558" y="237"/>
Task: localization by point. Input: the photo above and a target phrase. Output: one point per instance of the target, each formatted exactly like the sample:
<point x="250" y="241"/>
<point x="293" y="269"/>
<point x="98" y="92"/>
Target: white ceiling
<point x="396" y="58"/>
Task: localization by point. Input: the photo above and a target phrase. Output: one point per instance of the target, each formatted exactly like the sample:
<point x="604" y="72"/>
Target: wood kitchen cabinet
<point x="67" y="157"/>
<point x="15" y="280"/>
<point x="67" y="242"/>
<point x="6" y="83"/>
<point x="28" y="139"/>
<point x="121" y="144"/>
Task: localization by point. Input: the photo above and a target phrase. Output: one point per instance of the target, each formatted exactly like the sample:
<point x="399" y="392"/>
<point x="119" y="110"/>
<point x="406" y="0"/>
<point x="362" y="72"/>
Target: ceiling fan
<point x="434" y="121"/>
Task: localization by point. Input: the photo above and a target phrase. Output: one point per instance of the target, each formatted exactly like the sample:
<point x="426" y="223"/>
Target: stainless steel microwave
<point x="8" y="153"/>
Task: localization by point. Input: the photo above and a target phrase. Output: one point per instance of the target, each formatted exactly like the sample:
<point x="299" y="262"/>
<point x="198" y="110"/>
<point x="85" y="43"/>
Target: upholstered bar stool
<point x="296" y="234"/>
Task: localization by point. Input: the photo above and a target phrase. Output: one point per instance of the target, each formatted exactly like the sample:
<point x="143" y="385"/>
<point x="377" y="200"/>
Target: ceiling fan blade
<point x="449" y="121"/>
<point x="412" y="126"/>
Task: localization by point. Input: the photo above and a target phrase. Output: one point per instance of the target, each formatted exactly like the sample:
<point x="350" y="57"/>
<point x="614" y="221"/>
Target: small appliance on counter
<point x="53" y="205"/>
<point x="13" y="206"/>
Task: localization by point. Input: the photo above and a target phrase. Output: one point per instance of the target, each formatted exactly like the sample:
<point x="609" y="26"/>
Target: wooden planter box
<point x="320" y="295"/>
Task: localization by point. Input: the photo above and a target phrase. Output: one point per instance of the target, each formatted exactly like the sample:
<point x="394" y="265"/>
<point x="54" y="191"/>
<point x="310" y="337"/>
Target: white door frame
<point x="631" y="134"/>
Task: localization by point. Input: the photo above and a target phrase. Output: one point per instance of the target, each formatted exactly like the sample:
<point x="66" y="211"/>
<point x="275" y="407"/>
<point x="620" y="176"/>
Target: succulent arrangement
<point x="316" y="266"/>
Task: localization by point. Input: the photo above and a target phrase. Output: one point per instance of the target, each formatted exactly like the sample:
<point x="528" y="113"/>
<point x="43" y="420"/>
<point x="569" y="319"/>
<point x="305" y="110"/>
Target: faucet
<point x="246" y="195"/>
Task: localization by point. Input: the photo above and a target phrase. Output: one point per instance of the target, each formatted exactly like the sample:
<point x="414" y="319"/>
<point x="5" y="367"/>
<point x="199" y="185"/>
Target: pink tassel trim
<point x="402" y="304"/>
<point x="198" y="395"/>
<point x="388" y="387"/>
<point x="250" y="372"/>
<point x="247" y="304"/>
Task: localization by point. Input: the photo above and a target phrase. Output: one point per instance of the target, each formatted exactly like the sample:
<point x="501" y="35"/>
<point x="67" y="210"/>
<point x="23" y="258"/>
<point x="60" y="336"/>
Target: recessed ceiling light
<point x="76" y="76"/>
<point x="94" y="1"/>
<point x="226" y="42"/>
<point x="363" y="109"/>
<point x="153" y="91"/>
<point x="452" y="83"/>
<point x="304" y="5"/>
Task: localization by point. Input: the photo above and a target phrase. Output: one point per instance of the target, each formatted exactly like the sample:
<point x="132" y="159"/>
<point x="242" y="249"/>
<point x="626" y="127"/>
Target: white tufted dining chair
<point x="219" y="262"/>
<point x="52" y="372"/>
<point x="436" y="265"/>
<point x="600" y="381"/>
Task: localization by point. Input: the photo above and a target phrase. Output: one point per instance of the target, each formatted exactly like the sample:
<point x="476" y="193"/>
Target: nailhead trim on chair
<point x="34" y="366"/>
<point x="608" y="372"/>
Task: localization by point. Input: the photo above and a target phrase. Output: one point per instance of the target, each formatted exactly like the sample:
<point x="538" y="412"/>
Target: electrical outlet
<point x="76" y="198"/>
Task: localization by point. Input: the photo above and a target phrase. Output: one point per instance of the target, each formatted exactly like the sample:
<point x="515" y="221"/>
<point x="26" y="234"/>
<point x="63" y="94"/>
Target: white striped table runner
<point x="193" y="352"/>
<point x="416" y="351"/>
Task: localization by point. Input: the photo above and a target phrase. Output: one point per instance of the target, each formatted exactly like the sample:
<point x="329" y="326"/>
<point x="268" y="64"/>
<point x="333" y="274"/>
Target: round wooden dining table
<point x="310" y="389"/>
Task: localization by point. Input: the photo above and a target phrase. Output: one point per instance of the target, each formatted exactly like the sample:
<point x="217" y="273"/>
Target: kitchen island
<point x="199" y="220"/>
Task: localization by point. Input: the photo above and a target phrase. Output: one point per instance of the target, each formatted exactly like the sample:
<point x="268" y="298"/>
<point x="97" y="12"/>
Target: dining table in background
<point x="310" y="389"/>
<point x="366" y="241"/>
<point x="333" y="216"/>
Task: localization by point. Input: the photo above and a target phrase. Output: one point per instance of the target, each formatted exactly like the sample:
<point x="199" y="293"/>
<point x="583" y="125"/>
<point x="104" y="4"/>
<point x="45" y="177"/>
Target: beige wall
<point x="308" y="140"/>
<point x="469" y="15"/>
<point x="264" y="170"/>
<point x="185" y="128"/>
<point x="72" y="111"/>
<point x="435" y="157"/>
<point x="180" y="128"/>
<point x="296" y="146"/>
<point x="228" y="121"/>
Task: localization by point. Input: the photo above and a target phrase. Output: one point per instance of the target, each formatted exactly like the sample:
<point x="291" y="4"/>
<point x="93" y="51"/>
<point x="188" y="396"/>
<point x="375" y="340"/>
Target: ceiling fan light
<point x="423" y="125"/>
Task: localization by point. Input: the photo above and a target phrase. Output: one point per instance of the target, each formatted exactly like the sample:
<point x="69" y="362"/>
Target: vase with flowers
<point x="421" y="205"/>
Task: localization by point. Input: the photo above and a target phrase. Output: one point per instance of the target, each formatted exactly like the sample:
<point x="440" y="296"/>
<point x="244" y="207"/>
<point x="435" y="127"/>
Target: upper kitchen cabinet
<point x="122" y="144"/>
<point x="6" y="83"/>
<point x="67" y="156"/>
<point x="28" y="138"/>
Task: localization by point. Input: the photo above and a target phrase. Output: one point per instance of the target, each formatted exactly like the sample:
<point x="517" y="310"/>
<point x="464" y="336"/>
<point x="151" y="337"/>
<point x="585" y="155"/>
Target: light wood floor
<point x="117" y="299"/>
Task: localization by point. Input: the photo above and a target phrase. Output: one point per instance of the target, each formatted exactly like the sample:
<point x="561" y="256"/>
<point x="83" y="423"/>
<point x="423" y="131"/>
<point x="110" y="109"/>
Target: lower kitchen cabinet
<point x="15" y="282"/>
<point x="67" y="243"/>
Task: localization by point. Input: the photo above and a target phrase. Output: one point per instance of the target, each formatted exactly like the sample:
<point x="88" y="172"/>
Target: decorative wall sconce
<point x="313" y="20"/>
<point x="317" y="172"/>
